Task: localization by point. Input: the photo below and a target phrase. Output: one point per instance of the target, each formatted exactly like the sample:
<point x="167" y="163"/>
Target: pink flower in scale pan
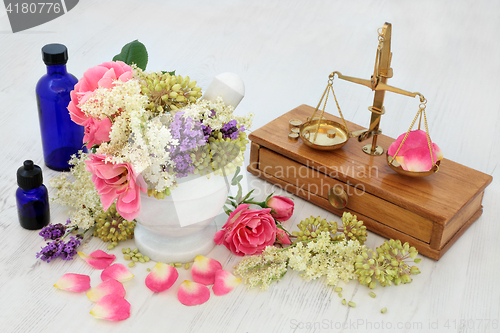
<point x="117" y="182"/>
<point x="415" y="155"/>
<point x="101" y="76"/>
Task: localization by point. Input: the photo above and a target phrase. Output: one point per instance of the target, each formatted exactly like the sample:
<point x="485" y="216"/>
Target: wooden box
<point x="430" y="213"/>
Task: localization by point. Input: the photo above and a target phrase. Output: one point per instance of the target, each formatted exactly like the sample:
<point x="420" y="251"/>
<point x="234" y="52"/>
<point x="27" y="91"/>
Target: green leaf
<point x="227" y="211"/>
<point x="133" y="53"/>
<point x="248" y="195"/>
<point x="235" y="181"/>
<point x="172" y="73"/>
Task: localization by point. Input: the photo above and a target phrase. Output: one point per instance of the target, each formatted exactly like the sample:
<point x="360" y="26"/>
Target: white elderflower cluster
<point x="109" y="102"/>
<point x="335" y="260"/>
<point x="76" y="190"/>
<point x="262" y="270"/>
<point x="203" y="110"/>
<point x="314" y="258"/>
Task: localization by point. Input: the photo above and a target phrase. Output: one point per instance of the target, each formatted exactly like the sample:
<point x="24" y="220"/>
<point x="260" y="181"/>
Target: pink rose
<point x="117" y="182"/>
<point x="96" y="132"/>
<point x="282" y="207"/>
<point x="247" y="231"/>
<point x="282" y="237"/>
<point x="101" y="76"/>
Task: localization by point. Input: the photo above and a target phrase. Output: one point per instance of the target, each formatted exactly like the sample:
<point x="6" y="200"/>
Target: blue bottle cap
<point x="29" y="176"/>
<point x="55" y="54"/>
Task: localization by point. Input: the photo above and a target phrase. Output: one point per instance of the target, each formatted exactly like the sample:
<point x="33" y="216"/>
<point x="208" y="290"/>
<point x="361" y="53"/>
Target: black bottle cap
<point x="29" y="176"/>
<point x="54" y="54"/>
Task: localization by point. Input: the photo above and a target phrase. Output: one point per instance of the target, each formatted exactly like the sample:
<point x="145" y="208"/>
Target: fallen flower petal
<point x="192" y="293"/>
<point x="204" y="269"/>
<point x="224" y="282"/>
<point x="73" y="282"/>
<point x="117" y="272"/>
<point x="106" y="288"/>
<point x="162" y="277"/>
<point x="111" y="307"/>
<point x="98" y="259"/>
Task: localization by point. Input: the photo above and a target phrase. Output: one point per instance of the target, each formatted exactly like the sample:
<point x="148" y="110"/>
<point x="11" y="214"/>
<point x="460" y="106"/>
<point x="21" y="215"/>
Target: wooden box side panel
<point x="371" y="224"/>
<point x="455" y="224"/>
<point x="309" y="182"/>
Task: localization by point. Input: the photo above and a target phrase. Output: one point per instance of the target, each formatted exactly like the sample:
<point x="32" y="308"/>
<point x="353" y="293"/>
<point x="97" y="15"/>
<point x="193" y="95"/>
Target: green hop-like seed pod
<point x="167" y="92"/>
<point x="220" y="155"/>
<point x="353" y="229"/>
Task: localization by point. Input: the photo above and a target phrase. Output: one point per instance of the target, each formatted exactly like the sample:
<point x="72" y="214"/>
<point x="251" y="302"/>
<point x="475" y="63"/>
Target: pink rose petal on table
<point x="117" y="272"/>
<point x="224" y="282"/>
<point x="162" y="277"/>
<point x="98" y="259"/>
<point x="111" y="307"/>
<point x="73" y="282"/>
<point x="105" y="288"/>
<point x="418" y="160"/>
<point x="193" y="293"/>
<point x="203" y="270"/>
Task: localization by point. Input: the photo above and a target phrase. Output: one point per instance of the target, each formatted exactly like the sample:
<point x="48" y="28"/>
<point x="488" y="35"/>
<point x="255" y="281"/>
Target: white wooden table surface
<point x="284" y="50"/>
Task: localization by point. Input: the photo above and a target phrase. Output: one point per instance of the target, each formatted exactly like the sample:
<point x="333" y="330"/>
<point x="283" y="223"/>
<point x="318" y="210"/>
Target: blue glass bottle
<point x="32" y="197"/>
<point x="61" y="137"/>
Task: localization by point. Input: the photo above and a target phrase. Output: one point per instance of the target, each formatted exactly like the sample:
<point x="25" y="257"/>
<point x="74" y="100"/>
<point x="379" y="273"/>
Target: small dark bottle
<point x="61" y="137"/>
<point x="32" y="197"/>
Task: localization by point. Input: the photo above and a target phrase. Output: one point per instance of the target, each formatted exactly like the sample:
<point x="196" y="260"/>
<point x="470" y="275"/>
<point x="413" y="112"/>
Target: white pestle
<point x="227" y="85"/>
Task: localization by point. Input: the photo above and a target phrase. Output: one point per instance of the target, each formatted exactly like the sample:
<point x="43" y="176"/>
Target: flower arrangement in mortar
<point x="144" y="131"/>
<point x="413" y="150"/>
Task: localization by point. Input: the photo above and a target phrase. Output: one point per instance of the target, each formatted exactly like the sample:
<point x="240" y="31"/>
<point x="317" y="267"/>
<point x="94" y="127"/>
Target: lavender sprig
<point x="59" y="248"/>
<point x="53" y="231"/>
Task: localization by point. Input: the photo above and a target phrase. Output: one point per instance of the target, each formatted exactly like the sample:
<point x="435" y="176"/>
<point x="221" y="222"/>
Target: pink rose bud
<point x="282" y="207"/>
<point x="282" y="237"/>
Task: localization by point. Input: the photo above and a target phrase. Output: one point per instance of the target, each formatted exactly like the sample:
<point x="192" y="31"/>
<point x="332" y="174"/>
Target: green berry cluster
<point x="218" y="153"/>
<point x="353" y="229"/>
<point x="158" y="195"/>
<point x="387" y="264"/>
<point x="312" y="227"/>
<point x="134" y="255"/>
<point x="166" y="91"/>
<point x="111" y="227"/>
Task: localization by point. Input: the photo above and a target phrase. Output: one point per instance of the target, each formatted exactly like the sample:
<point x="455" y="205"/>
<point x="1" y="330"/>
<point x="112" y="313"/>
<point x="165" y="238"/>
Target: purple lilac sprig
<point x="231" y="130"/>
<point x="190" y="135"/>
<point x="59" y="248"/>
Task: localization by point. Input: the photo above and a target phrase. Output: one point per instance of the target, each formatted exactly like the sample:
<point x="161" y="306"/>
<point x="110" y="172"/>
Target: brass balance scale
<point x="429" y="212"/>
<point x="322" y="134"/>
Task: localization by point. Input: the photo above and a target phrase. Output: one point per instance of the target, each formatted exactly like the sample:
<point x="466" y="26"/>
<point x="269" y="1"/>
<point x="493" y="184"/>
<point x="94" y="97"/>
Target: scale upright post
<point x="381" y="73"/>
